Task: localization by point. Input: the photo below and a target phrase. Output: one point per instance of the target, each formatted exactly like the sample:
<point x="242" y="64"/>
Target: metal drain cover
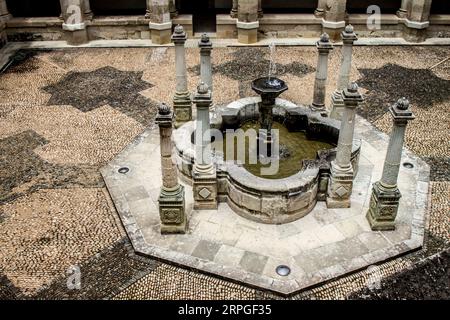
<point x="283" y="270"/>
<point x="408" y="165"/>
<point x="123" y="170"/>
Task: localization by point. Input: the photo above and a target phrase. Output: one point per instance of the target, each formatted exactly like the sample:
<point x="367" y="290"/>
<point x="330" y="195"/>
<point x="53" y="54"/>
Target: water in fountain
<point x="294" y="148"/>
<point x="272" y="67"/>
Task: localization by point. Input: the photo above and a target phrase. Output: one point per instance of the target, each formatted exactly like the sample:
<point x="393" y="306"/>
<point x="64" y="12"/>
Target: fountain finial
<point x="202" y="88"/>
<point x="402" y="103"/>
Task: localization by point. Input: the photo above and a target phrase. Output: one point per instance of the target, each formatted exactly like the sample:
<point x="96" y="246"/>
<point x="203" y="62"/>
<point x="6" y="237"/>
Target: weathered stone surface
<point x="386" y="195"/>
<point x="324" y="46"/>
<point x="342" y="172"/>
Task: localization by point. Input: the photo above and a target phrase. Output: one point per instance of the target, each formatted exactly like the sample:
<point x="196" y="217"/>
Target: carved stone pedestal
<point x="171" y="210"/>
<point x="383" y="207"/>
<point x="205" y="188"/>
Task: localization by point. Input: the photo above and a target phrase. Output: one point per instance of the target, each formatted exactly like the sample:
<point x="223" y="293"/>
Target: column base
<point x="161" y="33"/>
<point x="172" y="211"/>
<point x="77" y="37"/>
<point x="383" y="207"/>
<point x="204" y="187"/>
<point x="339" y="187"/>
<point x="5" y="17"/>
<point x="182" y="108"/>
<point x="233" y="14"/>
<point x="248" y="32"/>
<point x="337" y="106"/>
<point x="414" y="35"/>
<point x="320" y="108"/>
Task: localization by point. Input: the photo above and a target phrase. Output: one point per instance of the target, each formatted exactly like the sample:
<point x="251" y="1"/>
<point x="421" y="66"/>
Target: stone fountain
<point x="319" y="219"/>
<point x="269" y="88"/>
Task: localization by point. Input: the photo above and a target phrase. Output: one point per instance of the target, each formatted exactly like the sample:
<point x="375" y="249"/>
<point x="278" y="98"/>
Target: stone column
<point x="321" y="8"/>
<point x="416" y="20"/>
<point x="204" y="172"/>
<point x="233" y="12"/>
<point x="4" y="16"/>
<point x="160" y="22"/>
<point x="74" y="21"/>
<point x="324" y="46"/>
<point x="260" y="9"/>
<point x="205" y="45"/>
<point x="337" y="102"/>
<point x="385" y="193"/>
<point x="182" y="100"/>
<point x="341" y="182"/>
<point x="173" y="9"/>
<point x="88" y="14"/>
<point x="247" y="22"/>
<point x="171" y="199"/>
<point x="403" y="10"/>
<point x="334" y="20"/>
<point x="4" y="13"/>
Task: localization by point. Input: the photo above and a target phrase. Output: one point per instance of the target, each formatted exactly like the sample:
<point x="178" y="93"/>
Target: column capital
<point x="324" y="44"/>
<point x="351" y="95"/>
<point x="164" y="116"/>
<point x="401" y="112"/>
<point x="179" y="35"/>
<point x="205" y="44"/>
<point x="349" y="35"/>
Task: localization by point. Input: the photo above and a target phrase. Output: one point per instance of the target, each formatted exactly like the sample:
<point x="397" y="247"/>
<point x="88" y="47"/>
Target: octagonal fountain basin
<point x="307" y="145"/>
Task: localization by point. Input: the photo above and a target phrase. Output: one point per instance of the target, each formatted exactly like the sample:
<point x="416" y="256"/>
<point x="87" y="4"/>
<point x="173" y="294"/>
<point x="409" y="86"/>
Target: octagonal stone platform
<point x="325" y="244"/>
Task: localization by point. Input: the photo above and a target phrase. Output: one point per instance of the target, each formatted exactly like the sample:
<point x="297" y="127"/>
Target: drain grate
<point x="283" y="270"/>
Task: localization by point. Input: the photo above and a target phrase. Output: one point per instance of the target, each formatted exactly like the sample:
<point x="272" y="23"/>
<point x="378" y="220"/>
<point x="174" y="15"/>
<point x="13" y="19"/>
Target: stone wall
<point x="413" y="27"/>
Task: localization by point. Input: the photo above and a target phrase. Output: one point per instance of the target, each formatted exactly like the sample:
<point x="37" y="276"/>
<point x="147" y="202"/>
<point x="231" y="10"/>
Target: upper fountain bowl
<point x="269" y="85"/>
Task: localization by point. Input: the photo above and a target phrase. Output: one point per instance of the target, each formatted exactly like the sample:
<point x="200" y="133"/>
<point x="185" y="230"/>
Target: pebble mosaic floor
<point x="66" y="113"/>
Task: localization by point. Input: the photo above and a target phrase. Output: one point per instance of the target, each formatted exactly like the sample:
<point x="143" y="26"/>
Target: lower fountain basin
<point x="271" y="201"/>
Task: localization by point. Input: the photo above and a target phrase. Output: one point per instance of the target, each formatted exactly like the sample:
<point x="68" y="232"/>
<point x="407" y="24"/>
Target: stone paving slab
<point x="325" y="244"/>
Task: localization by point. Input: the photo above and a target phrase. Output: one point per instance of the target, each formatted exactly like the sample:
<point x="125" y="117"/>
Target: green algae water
<point x="294" y="145"/>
